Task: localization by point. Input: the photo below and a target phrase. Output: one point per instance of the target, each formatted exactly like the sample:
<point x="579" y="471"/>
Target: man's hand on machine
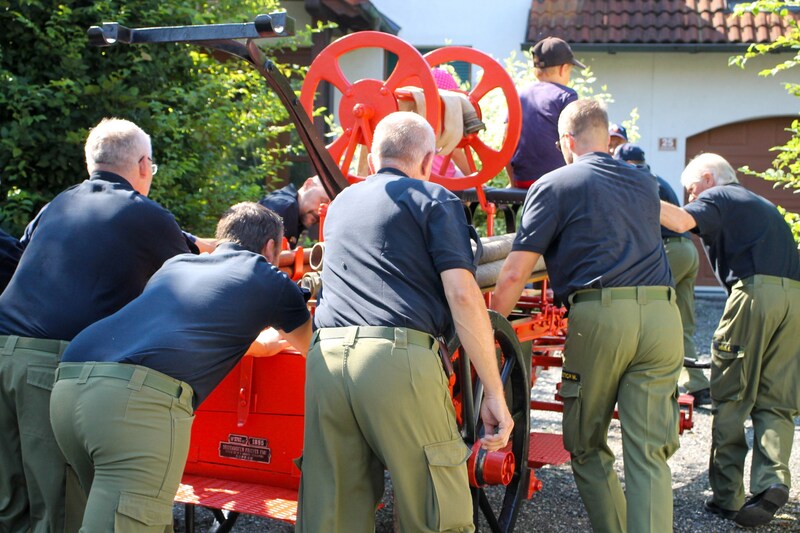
<point x="268" y="343"/>
<point x="497" y="422"/>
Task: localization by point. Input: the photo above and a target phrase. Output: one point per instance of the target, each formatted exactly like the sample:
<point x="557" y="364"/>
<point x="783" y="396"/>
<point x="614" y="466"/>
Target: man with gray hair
<point x="755" y="353"/>
<point x="398" y="273"/>
<point x="596" y="222"/>
<point x="88" y="253"/>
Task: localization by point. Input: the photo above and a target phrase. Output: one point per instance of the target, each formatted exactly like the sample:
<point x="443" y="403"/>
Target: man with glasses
<point x="596" y="222"/>
<point x="88" y="252"/>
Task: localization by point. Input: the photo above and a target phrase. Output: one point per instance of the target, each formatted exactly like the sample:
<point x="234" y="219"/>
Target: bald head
<point x="583" y="128"/>
<point x="405" y="141"/>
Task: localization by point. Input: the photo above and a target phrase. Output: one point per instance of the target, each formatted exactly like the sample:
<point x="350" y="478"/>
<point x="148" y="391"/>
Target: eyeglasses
<point x="558" y="142"/>
<point x="153" y="166"/>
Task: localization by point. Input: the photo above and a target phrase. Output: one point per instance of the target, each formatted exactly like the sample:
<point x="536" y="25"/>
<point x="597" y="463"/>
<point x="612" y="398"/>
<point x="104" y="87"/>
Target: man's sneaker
<point x="701" y="397"/>
<point x="712" y="507"/>
<point x="760" y="509"/>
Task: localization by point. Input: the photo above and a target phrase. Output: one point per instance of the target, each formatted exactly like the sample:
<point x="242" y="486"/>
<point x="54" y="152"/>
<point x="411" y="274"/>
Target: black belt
<point x="53" y="346"/>
<point x="412" y="336"/>
<point x="643" y="294"/>
<point x="152" y="378"/>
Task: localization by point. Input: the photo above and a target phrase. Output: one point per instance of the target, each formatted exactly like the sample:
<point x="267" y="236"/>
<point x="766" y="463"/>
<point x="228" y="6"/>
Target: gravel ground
<point x="558" y="507"/>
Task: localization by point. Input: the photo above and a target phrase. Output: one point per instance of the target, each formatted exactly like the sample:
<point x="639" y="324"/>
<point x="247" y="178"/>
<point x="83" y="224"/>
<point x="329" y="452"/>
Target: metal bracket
<point x="226" y="38"/>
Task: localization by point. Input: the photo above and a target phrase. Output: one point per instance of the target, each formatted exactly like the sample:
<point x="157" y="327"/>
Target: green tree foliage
<point x="213" y="123"/>
<point x="785" y="171"/>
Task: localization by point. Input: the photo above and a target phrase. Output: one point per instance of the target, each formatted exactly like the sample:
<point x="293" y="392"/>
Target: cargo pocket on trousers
<point x="449" y="504"/>
<point x="136" y="513"/>
<point x="571" y="393"/>
<point x="727" y="372"/>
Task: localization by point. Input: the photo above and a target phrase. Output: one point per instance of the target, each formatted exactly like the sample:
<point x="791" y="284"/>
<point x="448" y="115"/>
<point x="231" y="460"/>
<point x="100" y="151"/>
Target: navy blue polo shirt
<point x="596" y="222"/>
<point x="10" y="252"/>
<point x="196" y="317"/>
<point x="89" y="252"/>
<point x="666" y="193"/>
<point x="284" y="202"/>
<point x="387" y="240"/>
<point x="743" y="235"/>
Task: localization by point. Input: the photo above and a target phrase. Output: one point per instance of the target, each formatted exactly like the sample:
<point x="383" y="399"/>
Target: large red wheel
<point x="492" y="161"/>
<point x="365" y="102"/>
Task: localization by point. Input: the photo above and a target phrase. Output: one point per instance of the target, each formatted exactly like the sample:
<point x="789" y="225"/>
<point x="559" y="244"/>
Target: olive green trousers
<point x="756" y="374"/>
<point x="125" y="430"/>
<point x="621" y="350"/>
<point x="32" y="468"/>
<point x="684" y="263"/>
<point x="378" y="398"/>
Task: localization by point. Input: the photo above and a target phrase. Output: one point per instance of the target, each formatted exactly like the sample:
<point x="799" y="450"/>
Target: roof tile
<point x="679" y="22"/>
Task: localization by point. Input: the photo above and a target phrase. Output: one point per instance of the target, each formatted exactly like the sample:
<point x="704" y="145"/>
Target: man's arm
<point x="516" y="270"/>
<point x="675" y="218"/>
<point x="475" y="332"/>
<point x="272" y="341"/>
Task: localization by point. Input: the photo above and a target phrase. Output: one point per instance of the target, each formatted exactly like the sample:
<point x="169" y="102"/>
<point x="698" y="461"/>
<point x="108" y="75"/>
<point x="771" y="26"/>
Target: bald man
<point x="399" y="272"/>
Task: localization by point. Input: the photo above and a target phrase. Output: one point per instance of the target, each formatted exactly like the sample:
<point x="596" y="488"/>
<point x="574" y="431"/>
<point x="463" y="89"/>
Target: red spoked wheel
<point x="365" y="102"/>
<point x="492" y="160"/>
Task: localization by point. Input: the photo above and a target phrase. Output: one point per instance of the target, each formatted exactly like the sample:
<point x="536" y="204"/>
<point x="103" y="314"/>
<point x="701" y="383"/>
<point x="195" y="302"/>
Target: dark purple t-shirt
<point x="536" y="153"/>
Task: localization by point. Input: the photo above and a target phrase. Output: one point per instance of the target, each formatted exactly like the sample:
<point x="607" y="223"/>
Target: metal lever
<point x="264" y="26"/>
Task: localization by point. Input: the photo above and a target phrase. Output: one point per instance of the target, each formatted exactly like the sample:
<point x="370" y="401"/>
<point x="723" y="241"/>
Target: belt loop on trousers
<point x="86" y="371"/>
<point x="605" y="297"/>
<point x="137" y="379"/>
<point x="401" y="338"/>
<point x="350" y="335"/>
<point x="673" y="296"/>
<point x="11" y="343"/>
<point x="641" y="295"/>
<point x="186" y="395"/>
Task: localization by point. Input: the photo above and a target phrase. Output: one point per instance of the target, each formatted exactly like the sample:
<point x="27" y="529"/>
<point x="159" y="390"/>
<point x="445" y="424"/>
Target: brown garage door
<point x="745" y="143"/>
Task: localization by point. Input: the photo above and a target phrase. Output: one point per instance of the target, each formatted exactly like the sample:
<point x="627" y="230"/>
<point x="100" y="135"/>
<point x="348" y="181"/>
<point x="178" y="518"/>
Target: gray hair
<point x="585" y="117"/>
<point x="715" y="164"/>
<point x="251" y="226"/>
<point x="117" y="143"/>
<point x="404" y="137"/>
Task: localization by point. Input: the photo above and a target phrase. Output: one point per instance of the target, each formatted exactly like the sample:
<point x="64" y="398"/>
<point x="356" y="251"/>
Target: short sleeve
<point x="539" y="223"/>
<point x="291" y="311"/>
<point x="447" y="234"/>
<point x="706" y="214"/>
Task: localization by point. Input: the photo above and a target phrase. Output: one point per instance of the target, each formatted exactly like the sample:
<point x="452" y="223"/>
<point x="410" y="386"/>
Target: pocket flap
<point x="726" y="350"/>
<point x="570" y="389"/>
<point x="451" y="453"/>
<point x="149" y="511"/>
<point x="41" y="376"/>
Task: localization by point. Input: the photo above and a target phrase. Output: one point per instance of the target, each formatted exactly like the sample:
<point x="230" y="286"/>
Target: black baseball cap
<point x="629" y="152"/>
<point x="552" y="52"/>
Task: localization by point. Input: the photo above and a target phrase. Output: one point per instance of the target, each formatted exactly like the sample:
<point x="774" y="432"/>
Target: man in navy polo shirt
<point x="596" y="222"/>
<point x="398" y="272"/>
<point x="126" y="388"/>
<point x="684" y="262"/>
<point x="299" y="208"/>
<point x="755" y="355"/>
<point x="542" y="103"/>
<point x="89" y="252"/>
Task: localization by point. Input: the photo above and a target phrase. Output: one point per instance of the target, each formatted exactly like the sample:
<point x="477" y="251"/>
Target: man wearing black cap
<point x="684" y="262"/>
<point x="542" y="103"/>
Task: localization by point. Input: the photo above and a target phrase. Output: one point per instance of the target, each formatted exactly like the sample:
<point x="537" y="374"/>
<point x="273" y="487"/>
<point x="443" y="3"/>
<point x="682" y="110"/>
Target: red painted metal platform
<point x="239" y="496"/>
<point x="546" y="449"/>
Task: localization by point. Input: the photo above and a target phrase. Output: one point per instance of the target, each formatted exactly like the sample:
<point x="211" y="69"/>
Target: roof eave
<point x="690" y="48"/>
